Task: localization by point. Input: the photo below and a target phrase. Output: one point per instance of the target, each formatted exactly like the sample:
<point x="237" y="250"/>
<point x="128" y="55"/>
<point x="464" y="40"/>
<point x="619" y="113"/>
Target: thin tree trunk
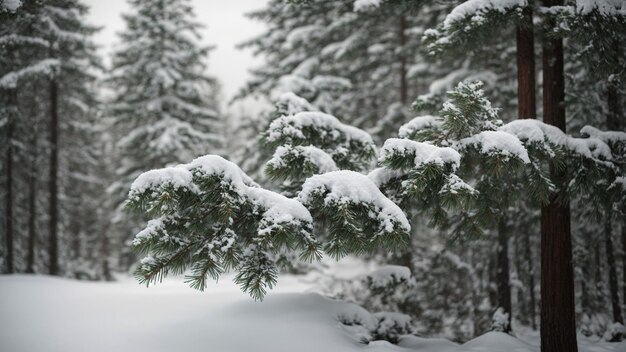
<point x="9" y="182"/>
<point x="624" y="260"/>
<point x="32" y="205"/>
<point x="404" y="95"/>
<point x="526" y="68"/>
<point x="613" y="123"/>
<point x="503" y="279"/>
<point x="558" y="322"/>
<point x="610" y="261"/>
<point x="53" y="242"/>
<point x="531" y="281"/>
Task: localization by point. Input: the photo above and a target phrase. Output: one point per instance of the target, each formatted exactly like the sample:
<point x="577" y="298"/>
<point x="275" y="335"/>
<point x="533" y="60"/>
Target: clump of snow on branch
<point x="311" y="154"/>
<point x="419" y="123"/>
<point x="363" y="5"/>
<point x="423" y="153"/>
<point x="548" y="136"/>
<point x="498" y="142"/>
<point x="341" y="187"/>
<point x="292" y="126"/>
<point x="476" y="10"/>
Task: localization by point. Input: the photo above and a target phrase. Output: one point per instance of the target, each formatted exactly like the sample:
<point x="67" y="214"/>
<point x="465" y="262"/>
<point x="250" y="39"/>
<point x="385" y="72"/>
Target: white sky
<point x="225" y="27"/>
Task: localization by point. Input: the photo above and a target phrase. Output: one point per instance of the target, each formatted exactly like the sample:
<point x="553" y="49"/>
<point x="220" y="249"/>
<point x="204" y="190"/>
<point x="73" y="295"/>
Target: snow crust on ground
<point x="44" y="314"/>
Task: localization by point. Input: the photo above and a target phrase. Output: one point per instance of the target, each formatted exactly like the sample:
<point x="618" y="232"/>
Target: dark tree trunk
<point x="527" y="109"/>
<point x="531" y="281"/>
<point x="53" y="242"/>
<point x="558" y="322"/>
<point x="624" y="260"/>
<point x="613" y="123"/>
<point x="104" y="255"/>
<point x="12" y="94"/>
<point x="610" y="261"/>
<point x="503" y="279"/>
<point x="404" y="94"/>
<point x="526" y="68"/>
<point x="32" y="205"/>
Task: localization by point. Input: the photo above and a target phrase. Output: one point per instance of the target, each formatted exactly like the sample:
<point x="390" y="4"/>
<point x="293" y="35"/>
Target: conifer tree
<point x="164" y="105"/>
<point x="54" y="79"/>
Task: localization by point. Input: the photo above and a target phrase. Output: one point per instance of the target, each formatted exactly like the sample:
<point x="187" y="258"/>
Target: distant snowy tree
<point x="164" y="104"/>
<point x="52" y="79"/>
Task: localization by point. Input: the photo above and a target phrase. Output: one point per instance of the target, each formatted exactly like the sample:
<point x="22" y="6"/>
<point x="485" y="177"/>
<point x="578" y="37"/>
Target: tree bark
<point x="32" y="205"/>
<point x="53" y="242"/>
<point x="9" y="261"/>
<point x="613" y="123"/>
<point x="610" y="261"/>
<point x="526" y="67"/>
<point x="624" y="260"/>
<point x="404" y="95"/>
<point x="531" y="281"/>
<point x="558" y="323"/>
<point x="503" y="279"/>
<point x="527" y="109"/>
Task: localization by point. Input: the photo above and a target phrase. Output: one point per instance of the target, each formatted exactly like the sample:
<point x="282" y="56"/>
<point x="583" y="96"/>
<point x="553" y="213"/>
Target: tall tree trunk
<point x="531" y="280"/>
<point x="404" y="94"/>
<point x="558" y="322"/>
<point x="526" y="68"/>
<point x="613" y="123"/>
<point x="624" y="260"/>
<point x="32" y="204"/>
<point x="503" y="279"/>
<point x="527" y="109"/>
<point x="12" y="103"/>
<point x="104" y="255"/>
<point x="53" y="242"/>
<point x="610" y="261"/>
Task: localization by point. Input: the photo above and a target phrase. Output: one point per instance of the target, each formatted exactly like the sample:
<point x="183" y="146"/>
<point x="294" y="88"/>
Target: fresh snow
<point x="424" y="153"/>
<point x="387" y="274"/>
<point x="419" y="123"/>
<point x="498" y="142"/>
<point x="362" y="5"/>
<point x="10" y="5"/>
<point x="292" y="126"/>
<point x="476" y="9"/>
<point x="605" y="7"/>
<point x="43" y="67"/>
<point x="350" y="186"/>
<point x="45" y="314"/>
<point x="278" y="208"/>
<point x="535" y="131"/>
<point x="316" y="156"/>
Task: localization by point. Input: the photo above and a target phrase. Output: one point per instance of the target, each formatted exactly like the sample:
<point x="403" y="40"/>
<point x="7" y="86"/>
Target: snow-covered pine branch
<point x="359" y="217"/>
<point x="471" y="21"/>
<point x="432" y="166"/>
<point x="210" y="217"/>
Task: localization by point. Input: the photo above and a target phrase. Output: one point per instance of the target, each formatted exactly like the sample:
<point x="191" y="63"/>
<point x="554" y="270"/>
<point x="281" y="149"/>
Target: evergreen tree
<point x="164" y="105"/>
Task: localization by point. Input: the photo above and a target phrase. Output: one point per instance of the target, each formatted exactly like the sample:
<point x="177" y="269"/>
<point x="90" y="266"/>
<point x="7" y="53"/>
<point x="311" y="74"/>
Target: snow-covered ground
<point x="44" y="314"/>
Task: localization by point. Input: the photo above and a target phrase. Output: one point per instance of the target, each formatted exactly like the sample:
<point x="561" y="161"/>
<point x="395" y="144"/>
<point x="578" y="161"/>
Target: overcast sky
<point x="226" y="26"/>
